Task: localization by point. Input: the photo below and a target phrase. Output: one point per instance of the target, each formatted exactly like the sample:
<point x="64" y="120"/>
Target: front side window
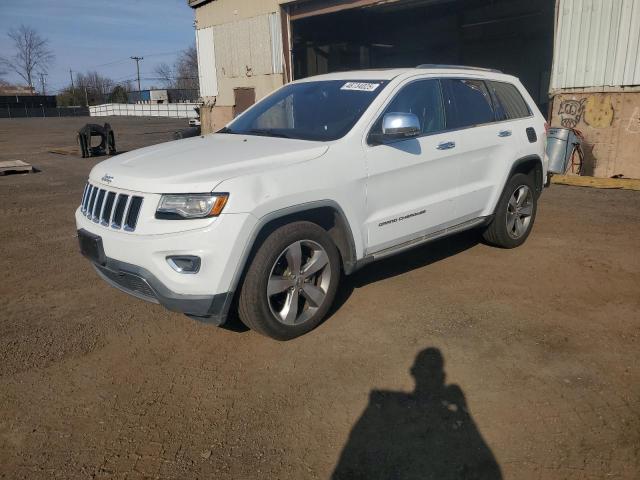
<point x="467" y="103"/>
<point x="423" y="98"/>
<point x="509" y="102"/>
<point x="322" y="110"/>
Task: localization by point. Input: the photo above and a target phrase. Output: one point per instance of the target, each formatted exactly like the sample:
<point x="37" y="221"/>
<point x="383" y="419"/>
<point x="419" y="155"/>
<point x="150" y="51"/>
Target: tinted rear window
<point x="467" y="103"/>
<point x="510" y="104"/>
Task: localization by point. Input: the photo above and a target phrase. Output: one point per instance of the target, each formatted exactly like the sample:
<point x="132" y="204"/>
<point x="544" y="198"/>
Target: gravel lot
<point x="539" y="345"/>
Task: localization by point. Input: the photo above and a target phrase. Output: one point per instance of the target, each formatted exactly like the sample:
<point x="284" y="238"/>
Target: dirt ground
<point x="539" y="345"/>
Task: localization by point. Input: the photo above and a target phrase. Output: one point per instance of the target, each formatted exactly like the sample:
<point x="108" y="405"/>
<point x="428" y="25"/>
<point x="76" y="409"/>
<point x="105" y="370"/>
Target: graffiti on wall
<point x="595" y="111"/>
<point x="634" y="122"/>
<point x="571" y="112"/>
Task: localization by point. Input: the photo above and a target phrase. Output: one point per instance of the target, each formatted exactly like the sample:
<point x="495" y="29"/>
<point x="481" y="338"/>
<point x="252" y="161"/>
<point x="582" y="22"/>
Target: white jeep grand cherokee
<point x="318" y="179"/>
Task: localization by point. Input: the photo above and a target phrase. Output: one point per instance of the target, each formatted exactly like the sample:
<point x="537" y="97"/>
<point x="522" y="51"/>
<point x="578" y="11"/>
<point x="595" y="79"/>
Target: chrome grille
<point x="111" y="209"/>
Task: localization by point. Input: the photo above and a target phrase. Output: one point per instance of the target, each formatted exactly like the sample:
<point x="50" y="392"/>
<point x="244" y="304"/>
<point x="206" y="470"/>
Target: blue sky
<point x="101" y="35"/>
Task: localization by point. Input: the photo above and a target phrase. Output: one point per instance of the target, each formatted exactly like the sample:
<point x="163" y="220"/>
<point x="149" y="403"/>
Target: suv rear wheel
<point x="515" y="213"/>
<point x="291" y="282"/>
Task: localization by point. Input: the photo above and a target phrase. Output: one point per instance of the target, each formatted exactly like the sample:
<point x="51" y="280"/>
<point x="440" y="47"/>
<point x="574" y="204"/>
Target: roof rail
<point x="458" y="67"/>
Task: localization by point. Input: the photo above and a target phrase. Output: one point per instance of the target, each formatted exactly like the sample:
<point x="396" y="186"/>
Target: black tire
<point x="498" y="233"/>
<point x="254" y="307"/>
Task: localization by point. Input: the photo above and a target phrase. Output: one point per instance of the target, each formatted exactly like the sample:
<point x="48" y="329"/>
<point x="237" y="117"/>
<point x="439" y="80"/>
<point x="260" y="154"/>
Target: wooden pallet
<point x="15" y="166"/>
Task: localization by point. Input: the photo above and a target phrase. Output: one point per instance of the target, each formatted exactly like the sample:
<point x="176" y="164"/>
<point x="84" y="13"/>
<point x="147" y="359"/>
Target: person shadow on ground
<point x="426" y="434"/>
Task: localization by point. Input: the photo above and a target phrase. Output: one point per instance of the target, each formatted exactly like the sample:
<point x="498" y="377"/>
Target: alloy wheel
<point x="519" y="211"/>
<point x="298" y="282"/>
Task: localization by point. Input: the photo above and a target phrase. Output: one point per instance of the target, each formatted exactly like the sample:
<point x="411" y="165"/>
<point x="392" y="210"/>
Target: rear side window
<point x="509" y="102"/>
<point x="467" y="103"/>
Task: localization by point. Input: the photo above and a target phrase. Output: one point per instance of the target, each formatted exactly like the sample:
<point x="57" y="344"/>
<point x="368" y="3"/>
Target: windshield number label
<point x="360" y="86"/>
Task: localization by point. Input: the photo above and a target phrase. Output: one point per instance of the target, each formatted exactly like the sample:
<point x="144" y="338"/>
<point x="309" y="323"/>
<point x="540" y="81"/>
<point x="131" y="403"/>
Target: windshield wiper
<point x="225" y="130"/>
<point x="266" y="132"/>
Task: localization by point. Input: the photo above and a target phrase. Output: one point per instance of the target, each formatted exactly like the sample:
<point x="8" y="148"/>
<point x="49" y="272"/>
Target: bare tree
<point x="31" y="53"/>
<point x="127" y="85"/>
<point x="94" y="81"/>
<point x="187" y="67"/>
<point x="183" y="74"/>
<point x="165" y="74"/>
<point x="90" y="88"/>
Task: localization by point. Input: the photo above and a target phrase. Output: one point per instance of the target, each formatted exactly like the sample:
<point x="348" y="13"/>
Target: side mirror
<point x="399" y="125"/>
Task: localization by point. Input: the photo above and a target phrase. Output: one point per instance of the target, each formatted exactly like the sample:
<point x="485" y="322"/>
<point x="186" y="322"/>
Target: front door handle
<point x="446" y="145"/>
<point x="504" y="133"/>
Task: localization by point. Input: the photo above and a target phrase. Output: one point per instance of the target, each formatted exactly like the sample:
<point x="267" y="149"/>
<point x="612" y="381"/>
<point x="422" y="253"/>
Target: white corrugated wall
<point x="207" y="74"/>
<point x="597" y="44"/>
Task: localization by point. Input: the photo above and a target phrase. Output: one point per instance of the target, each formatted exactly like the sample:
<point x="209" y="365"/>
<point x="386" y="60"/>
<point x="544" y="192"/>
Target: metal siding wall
<point x="207" y="72"/>
<point x="252" y="46"/>
<point x="597" y="44"/>
<point x="275" y="33"/>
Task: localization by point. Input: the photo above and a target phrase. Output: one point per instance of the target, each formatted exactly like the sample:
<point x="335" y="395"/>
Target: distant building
<point x="157" y="96"/>
<point x="579" y="59"/>
<point x="19" y="90"/>
<point x="152" y="97"/>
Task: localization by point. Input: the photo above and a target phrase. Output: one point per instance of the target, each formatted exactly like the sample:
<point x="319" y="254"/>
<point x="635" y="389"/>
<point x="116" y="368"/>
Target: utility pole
<point x="73" y="88"/>
<point x="137" y="59"/>
<point x="44" y="82"/>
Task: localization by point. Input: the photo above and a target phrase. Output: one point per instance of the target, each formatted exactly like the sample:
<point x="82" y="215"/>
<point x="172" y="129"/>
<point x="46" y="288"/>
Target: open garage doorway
<point x="515" y="36"/>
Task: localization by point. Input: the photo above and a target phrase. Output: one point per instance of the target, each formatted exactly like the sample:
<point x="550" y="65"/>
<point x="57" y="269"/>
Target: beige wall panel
<point x="610" y="122"/>
<point x="243" y="47"/>
<point x="213" y="119"/>
<point x="264" y="85"/>
<point x="225" y="11"/>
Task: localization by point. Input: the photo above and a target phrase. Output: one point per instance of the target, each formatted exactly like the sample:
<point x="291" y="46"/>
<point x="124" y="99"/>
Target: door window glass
<point x="467" y="103"/>
<point x="423" y="98"/>
<point x="510" y="104"/>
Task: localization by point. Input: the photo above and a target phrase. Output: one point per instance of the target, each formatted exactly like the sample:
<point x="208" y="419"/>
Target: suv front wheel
<point x="291" y="282"/>
<point x="515" y="213"/>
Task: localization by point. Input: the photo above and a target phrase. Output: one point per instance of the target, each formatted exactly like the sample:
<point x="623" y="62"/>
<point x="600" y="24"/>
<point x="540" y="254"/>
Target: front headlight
<point x="192" y="205"/>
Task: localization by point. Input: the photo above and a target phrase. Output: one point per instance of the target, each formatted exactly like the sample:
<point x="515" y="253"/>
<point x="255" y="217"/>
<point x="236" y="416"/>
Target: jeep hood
<point x="199" y="164"/>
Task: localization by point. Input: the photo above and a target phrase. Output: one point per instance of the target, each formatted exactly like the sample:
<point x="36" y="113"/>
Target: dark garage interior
<point x="514" y="36"/>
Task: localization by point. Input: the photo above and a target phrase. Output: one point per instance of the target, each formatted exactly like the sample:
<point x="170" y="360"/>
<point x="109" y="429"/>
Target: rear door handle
<point x="446" y="145"/>
<point x="504" y="133"/>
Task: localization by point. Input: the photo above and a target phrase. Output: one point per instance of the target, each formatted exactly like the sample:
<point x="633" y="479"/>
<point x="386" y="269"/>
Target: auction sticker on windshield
<point x="360" y="86"/>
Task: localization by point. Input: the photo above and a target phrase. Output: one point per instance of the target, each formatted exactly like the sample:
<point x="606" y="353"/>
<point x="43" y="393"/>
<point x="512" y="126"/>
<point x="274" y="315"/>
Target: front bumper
<point x="142" y="284"/>
<point x="136" y="262"/>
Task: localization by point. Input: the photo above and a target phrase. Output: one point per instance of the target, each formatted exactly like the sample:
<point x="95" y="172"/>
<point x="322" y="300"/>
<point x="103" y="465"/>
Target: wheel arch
<point x="529" y="165"/>
<point x="326" y="213"/>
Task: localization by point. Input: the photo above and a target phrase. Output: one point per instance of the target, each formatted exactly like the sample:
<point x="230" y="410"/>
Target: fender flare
<point x="349" y="256"/>
<point x="539" y="172"/>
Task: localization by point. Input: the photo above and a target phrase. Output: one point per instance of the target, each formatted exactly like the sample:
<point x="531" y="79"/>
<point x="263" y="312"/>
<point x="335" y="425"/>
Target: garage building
<point x="579" y="59"/>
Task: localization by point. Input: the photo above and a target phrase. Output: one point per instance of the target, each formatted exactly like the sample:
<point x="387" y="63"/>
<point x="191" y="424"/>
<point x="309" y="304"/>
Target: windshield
<point x="323" y="110"/>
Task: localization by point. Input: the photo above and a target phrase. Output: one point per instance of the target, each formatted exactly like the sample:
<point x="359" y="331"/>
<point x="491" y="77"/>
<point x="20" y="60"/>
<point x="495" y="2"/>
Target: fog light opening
<point x="184" y="263"/>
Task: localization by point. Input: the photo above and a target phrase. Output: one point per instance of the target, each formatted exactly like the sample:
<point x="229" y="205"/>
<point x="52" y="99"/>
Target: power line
<point x="123" y="60"/>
